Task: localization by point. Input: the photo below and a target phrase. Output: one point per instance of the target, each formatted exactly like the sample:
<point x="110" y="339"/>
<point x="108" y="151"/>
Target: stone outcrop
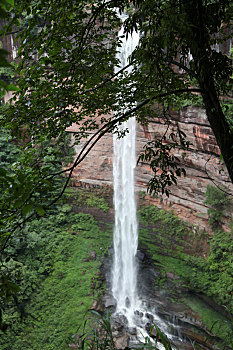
<point x="201" y="162"/>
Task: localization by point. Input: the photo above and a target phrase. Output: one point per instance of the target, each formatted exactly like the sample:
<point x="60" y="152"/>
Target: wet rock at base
<point x="122" y="319"/>
<point x="151" y="330"/>
<point x="109" y="301"/>
<point x="131" y="330"/>
<point x="140" y="255"/>
<point x="119" y="324"/>
<point x="153" y="333"/>
<point x="149" y="316"/>
<point x="201" y="340"/>
<point x="138" y="313"/>
<point x="122" y="342"/>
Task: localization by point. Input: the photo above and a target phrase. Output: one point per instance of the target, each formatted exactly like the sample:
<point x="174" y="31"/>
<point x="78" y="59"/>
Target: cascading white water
<point x="124" y="273"/>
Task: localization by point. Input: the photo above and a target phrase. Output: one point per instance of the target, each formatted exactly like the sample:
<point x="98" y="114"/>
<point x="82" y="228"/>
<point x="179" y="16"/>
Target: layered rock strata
<point x="201" y="162"/>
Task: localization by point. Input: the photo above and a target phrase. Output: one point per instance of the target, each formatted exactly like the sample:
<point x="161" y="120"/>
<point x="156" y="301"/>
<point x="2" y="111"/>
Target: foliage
<point x="166" y="222"/>
<point x="72" y="78"/>
<point x="228" y="109"/>
<point x="92" y="200"/>
<point x="101" y="337"/>
<point x="163" y="163"/>
<point x="9" y="151"/>
<point x="176" y="248"/>
<point x="219" y="202"/>
<point x="14" y="208"/>
<point x="58" y="281"/>
<point x="29" y="189"/>
<point x="65" y="74"/>
<point x="5" y="67"/>
<point x="219" y="267"/>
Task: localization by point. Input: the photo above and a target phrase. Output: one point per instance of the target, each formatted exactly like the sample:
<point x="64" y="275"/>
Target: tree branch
<point x="113" y="122"/>
<point x="108" y="127"/>
<point x="180" y="65"/>
<point x="108" y="79"/>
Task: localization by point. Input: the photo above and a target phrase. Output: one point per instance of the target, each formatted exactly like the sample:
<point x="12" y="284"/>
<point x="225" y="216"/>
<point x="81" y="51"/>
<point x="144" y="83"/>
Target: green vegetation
<point x="55" y="90"/>
<point x="101" y="338"/>
<point x="228" y="109"/>
<point x="8" y="149"/>
<point x="214" y="321"/>
<point x="91" y="200"/>
<point x="50" y="261"/>
<point x="58" y="277"/>
<point x="50" y="266"/>
<point x="20" y="199"/>
<point x="220" y="202"/>
<point x="196" y="265"/>
<point x="15" y="208"/>
<point x="6" y="7"/>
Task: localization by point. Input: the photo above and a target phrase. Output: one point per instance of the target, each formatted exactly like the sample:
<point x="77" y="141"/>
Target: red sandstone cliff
<point x="202" y="164"/>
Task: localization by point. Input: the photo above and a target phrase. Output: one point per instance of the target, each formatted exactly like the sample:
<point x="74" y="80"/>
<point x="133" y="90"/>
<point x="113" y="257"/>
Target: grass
<point x="64" y="280"/>
<point x="173" y="247"/>
<point x="67" y="280"/>
<point x="68" y="293"/>
<point x="89" y="199"/>
<point x="211" y="318"/>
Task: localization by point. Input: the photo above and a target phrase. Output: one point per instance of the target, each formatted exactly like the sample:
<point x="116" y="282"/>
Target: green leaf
<point x="12" y="87"/>
<point x="27" y="209"/>
<point x="40" y="210"/>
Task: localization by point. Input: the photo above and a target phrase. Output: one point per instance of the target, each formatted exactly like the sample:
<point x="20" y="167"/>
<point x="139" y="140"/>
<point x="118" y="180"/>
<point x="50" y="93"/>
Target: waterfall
<point x="124" y="272"/>
<point x="135" y="310"/>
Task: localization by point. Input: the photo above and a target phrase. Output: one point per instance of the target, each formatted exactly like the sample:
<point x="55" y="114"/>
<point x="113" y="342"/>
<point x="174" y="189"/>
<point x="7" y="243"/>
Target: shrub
<point x="218" y="200"/>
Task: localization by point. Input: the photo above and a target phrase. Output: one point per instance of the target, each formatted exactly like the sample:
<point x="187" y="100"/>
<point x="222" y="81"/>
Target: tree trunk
<point x="219" y="125"/>
<point x="201" y="50"/>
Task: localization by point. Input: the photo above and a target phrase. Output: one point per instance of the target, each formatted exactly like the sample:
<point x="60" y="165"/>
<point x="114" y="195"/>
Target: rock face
<point x="163" y="306"/>
<point x="202" y="164"/>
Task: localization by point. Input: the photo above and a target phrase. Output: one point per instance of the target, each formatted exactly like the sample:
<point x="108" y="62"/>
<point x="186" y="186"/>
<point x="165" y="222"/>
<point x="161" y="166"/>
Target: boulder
<point x="140" y="255"/>
<point x="149" y="316"/>
<point x="109" y="301"/>
<point x="132" y="330"/>
<point x="122" y="342"/>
